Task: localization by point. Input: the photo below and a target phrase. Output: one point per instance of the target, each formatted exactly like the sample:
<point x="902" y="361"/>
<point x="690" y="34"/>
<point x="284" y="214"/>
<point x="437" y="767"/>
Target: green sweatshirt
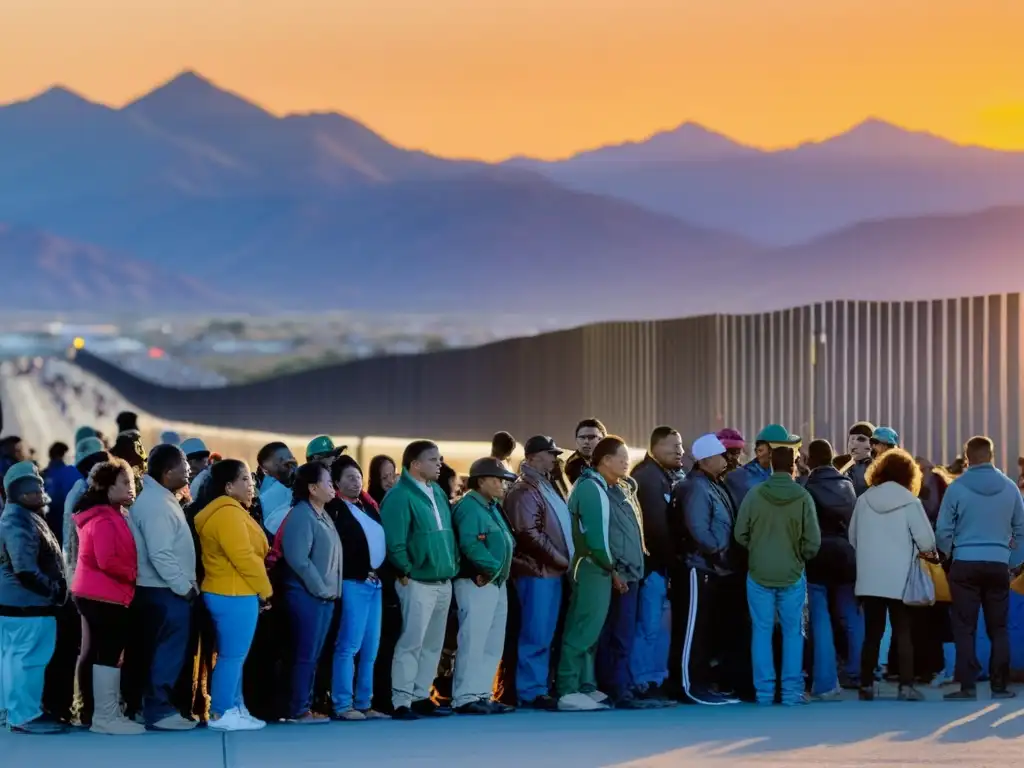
<point x="417" y="546"/>
<point x="485" y="540"/>
<point x="590" y="513"/>
<point x="778" y="525"/>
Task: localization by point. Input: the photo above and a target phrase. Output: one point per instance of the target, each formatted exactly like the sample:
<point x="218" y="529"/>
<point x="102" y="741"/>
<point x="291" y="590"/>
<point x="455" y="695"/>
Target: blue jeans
<point x="615" y="648"/>
<point x="540" y="601"/>
<point x="825" y="677"/>
<point x="765" y="604"/>
<point x="165" y="621"/>
<point x="26" y="646"/>
<point x="648" y="663"/>
<point x="852" y="620"/>
<point x="310" y="618"/>
<point x="235" y="620"/>
<point x="358" y="634"/>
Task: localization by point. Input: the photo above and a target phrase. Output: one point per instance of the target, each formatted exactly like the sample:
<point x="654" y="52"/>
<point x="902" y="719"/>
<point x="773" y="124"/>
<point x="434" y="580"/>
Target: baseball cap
<point x="706" y="446"/>
<point x="886" y="435"/>
<point x="488" y="467"/>
<point x="541" y="444"/>
<point x="322" y="446"/>
<point x="777" y="435"/>
<point x="193" y="445"/>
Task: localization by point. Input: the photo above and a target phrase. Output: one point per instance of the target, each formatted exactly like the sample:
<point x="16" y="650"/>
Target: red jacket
<point x="107" y="561"/>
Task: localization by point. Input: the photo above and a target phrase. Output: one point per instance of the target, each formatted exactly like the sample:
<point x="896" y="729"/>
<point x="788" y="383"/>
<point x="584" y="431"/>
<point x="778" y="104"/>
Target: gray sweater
<point x="312" y="550"/>
<point x="167" y="553"/>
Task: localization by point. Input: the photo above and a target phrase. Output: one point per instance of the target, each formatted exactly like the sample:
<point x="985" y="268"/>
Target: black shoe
<point x="909" y="693"/>
<point x="427" y="708"/>
<point x="497" y="708"/>
<point x="39" y="727"/>
<point x="632" y="702"/>
<point x="545" y="703"/>
<point x="707" y="698"/>
<point x="964" y="694"/>
<point x="1003" y="693"/>
<point x="404" y="713"/>
<point x="474" y="708"/>
<point x="866" y="694"/>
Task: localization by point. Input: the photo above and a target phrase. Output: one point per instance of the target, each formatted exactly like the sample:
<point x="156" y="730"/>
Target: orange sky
<point x="490" y="78"/>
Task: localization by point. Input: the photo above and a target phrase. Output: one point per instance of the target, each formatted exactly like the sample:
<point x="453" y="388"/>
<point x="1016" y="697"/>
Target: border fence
<point x="937" y="371"/>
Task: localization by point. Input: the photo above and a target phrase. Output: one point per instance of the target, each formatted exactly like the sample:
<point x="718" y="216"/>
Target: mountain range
<point x="196" y="196"/>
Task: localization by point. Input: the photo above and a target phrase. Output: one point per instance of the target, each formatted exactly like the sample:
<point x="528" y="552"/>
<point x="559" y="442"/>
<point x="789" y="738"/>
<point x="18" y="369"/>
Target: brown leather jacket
<point x="541" y="550"/>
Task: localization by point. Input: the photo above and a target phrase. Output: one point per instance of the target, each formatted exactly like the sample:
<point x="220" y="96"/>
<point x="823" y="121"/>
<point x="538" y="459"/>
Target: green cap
<point x="21" y="471"/>
<point x="83" y="432"/>
<point x="321" y="447"/>
<point x="776" y="434"/>
<point x="87" y="447"/>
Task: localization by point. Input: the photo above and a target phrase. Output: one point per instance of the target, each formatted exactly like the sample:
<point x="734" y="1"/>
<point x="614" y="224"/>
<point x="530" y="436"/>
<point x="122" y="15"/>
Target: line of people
<point x="294" y="594"/>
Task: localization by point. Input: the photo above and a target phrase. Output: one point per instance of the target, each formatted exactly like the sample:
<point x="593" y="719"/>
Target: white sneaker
<point x="243" y="710"/>
<point x="597" y="696"/>
<point x="579" y="702"/>
<point x="234" y="720"/>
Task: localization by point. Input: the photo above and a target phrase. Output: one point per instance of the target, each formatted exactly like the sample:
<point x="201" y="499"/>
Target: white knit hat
<point x="706" y="446"/>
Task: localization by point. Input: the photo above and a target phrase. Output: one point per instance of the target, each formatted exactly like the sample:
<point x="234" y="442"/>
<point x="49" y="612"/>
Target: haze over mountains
<point x="195" y="193"/>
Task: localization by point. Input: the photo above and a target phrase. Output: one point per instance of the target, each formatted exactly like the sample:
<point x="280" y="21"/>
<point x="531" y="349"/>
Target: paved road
<point x="883" y="733"/>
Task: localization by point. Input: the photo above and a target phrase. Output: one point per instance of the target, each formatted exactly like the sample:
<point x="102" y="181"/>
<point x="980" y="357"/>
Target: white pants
<point x="482" y="615"/>
<point x="418" y="651"/>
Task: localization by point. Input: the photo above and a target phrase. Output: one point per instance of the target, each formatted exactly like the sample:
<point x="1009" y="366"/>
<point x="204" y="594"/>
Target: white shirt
<point x="374" y="535"/>
<point x="433" y="502"/>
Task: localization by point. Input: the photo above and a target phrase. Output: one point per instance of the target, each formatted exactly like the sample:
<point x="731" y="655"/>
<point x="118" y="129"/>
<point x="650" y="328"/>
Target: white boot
<point x="107" y="717"/>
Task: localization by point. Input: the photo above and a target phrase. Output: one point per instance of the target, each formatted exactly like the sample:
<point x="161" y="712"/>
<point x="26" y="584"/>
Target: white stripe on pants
<point x="418" y="651"/>
<point x="482" y="614"/>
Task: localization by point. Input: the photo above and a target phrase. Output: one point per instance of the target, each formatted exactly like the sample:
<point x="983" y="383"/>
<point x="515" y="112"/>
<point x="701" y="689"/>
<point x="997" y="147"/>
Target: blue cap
<point x="886" y="435"/>
<point x="193" y="445"/>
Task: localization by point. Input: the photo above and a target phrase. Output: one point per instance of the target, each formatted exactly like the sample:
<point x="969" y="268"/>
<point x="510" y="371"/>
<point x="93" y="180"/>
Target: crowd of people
<point x="166" y="588"/>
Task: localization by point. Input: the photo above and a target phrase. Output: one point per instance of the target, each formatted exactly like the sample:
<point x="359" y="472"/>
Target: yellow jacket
<point x="234" y="548"/>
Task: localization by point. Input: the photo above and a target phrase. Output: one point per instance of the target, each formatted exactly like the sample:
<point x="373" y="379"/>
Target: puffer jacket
<point x="702" y="518"/>
<point x="108" y="562"/>
<point x="32" y="576"/>
<point x="834" y="500"/>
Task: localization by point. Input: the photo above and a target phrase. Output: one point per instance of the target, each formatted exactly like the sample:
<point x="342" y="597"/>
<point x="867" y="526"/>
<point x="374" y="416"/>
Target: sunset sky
<point x="492" y="78"/>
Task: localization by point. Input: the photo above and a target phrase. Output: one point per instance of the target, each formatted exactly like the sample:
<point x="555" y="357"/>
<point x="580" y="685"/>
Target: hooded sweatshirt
<point x="980" y="513"/>
<point x="888" y="529"/>
<point x="778" y="525"/>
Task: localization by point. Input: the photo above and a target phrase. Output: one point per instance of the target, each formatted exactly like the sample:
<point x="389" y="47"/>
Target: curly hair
<point x="896" y="466"/>
<point x="102" y="477"/>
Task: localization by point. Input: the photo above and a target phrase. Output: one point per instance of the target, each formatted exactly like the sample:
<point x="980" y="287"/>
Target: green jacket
<point x="485" y="541"/>
<point x="417" y="548"/>
<point x="778" y="525"/>
<point x="590" y="513"/>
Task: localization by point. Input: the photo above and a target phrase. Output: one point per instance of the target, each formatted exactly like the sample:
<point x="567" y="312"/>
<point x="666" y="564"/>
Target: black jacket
<point x="654" y="492"/>
<point x="574" y="467"/>
<point x="834" y="499"/>
<point x="355" y="565"/>
<point x="702" y="518"/>
<point x="857" y="474"/>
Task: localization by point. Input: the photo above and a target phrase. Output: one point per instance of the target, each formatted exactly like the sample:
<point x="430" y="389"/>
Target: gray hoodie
<point x="980" y="513"/>
<point x="312" y="550"/>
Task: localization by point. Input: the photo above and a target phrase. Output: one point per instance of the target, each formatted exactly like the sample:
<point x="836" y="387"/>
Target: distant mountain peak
<point x="191" y="92"/>
<point x="874" y="136"/>
<point x="60" y="99"/>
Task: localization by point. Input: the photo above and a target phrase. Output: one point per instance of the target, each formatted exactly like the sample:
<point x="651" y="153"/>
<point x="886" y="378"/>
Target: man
<point x="60" y="477"/>
<point x="486" y="545"/>
<point x="981" y="514"/>
<point x="32" y="589"/>
<point x="758" y="470"/>
<point x="321" y="448"/>
<point x="12" y="451"/>
<point x="735" y="444"/>
<point x="707" y="599"/>
<point x="540" y="522"/>
<point x="276" y="470"/>
<point x="655" y="477"/>
<point x="858" y="445"/>
<point x="831" y="574"/>
<point x="503" y="445"/>
<point x="198" y="457"/>
<point x="166" y="585"/>
<point x="883" y="439"/>
<point x="778" y="526"/>
<point x="421" y="546"/>
<point x="589" y="433"/>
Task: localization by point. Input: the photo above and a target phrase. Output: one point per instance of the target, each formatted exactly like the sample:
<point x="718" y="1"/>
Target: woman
<point x="889" y="529"/>
<point x="382" y="477"/>
<point x="595" y="573"/>
<point x="103" y="588"/>
<point x="311" y="581"/>
<point x="450" y="483"/>
<point x="235" y="585"/>
<point x="362" y="540"/>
